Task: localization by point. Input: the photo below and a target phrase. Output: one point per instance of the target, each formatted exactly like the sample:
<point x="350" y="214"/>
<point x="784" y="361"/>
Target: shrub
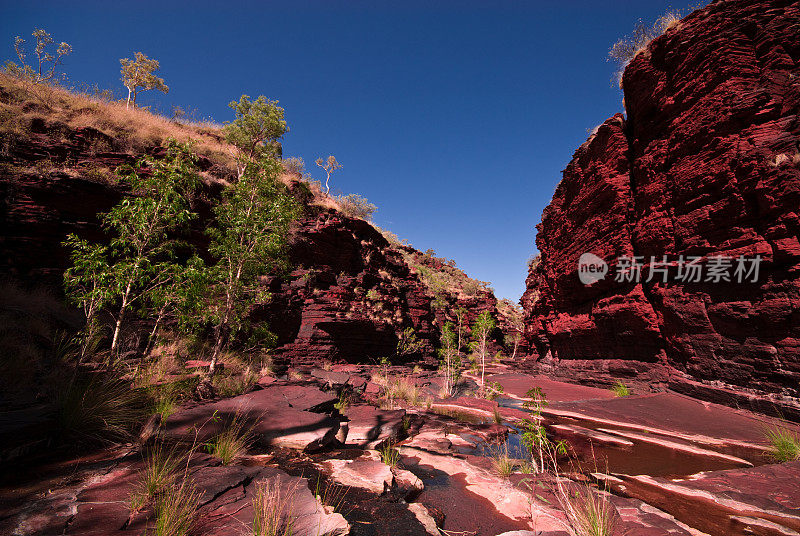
<point x="494" y="390"/>
<point x="784" y="444"/>
<point x="408" y="343"/>
<point x="294" y="164"/>
<point x="355" y="206"/>
<point x="273" y="509"/>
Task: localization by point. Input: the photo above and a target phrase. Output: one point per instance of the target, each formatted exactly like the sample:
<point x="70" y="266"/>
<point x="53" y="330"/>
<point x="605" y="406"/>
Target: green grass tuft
<point x="158" y="476"/>
<point x="784" y="444"/>
<point x="99" y="410"/>
<point x="389" y="455"/>
<point x="231" y="443"/>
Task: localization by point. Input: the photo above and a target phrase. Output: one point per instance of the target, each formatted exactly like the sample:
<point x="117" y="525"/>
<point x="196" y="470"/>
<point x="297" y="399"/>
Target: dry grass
<point x="176" y="510"/>
<point x="627" y="48"/>
<point x="403" y="389"/>
<point x="134" y="130"/>
<point x="273" y="508"/>
<point x="588" y="514"/>
<point x="229" y="384"/>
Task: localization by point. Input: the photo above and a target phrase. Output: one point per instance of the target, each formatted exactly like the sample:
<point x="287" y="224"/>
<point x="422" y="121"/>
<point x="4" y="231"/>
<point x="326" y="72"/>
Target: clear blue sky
<point x="454" y="118"/>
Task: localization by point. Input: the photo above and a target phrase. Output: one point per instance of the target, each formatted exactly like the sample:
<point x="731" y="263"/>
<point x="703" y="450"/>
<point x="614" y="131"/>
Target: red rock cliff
<point x="706" y="163"/>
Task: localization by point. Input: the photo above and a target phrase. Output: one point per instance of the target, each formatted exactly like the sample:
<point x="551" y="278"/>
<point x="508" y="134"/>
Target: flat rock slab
<point x="99" y="506"/>
<point x="276" y="416"/>
<point x="368" y="425"/>
<point x="517" y="385"/>
<point x="673" y="415"/>
<point x="761" y="500"/>
<point x="365" y="472"/>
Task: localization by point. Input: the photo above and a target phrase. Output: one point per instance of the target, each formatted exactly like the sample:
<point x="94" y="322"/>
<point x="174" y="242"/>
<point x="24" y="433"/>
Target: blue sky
<point x="454" y="118"/>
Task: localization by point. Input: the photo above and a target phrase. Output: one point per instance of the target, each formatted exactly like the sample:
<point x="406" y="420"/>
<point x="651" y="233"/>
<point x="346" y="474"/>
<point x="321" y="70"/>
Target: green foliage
<point x="620" y="389"/>
<point x="87" y="282"/>
<point x="494" y="390"/>
<point x="137" y="76"/>
<point x="255" y="132"/>
<point x="449" y="359"/>
<point x="408" y="343"/>
<point x="784" y="444"/>
<point x="248" y="239"/>
<point x="41" y="72"/>
<point x="537" y="400"/>
<point x="355" y="206"/>
<point x="372" y="294"/>
<point x="534" y="437"/>
<point x="139" y="264"/>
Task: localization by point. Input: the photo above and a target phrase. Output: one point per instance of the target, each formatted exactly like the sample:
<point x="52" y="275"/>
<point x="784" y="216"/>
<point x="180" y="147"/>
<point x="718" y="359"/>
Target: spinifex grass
<point x="588" y="514"/>
<point x="389" y="455"/>
<point x="784" y="444"/>
<point x="176" y="510"/>
<point x="158" y="476"/>
<point x="502" y="462"/>
<point x="99" y="410"/>
<point x="273" y="508"/>
<point x="232" y="442"/>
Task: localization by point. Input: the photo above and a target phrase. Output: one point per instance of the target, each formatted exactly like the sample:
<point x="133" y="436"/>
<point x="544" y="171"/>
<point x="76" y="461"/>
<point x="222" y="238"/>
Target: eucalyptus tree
<point x="140" y="260"/>
<point x="450" y="363"/>
<point x="481" y="330"/>
<point x="255" y="132"/>
<point x="248" y="239"/>
<point x="137" y="76"/>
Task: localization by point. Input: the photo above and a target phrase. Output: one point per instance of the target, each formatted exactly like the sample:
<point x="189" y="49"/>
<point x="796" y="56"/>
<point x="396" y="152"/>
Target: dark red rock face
<point x="707" y="163"/>
<point x="349" y="298"/>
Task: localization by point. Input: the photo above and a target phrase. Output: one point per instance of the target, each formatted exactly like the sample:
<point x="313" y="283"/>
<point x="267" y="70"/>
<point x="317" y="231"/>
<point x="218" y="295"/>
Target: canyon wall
<point x="705" y="164"/>
<point x="349" y="296"/>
